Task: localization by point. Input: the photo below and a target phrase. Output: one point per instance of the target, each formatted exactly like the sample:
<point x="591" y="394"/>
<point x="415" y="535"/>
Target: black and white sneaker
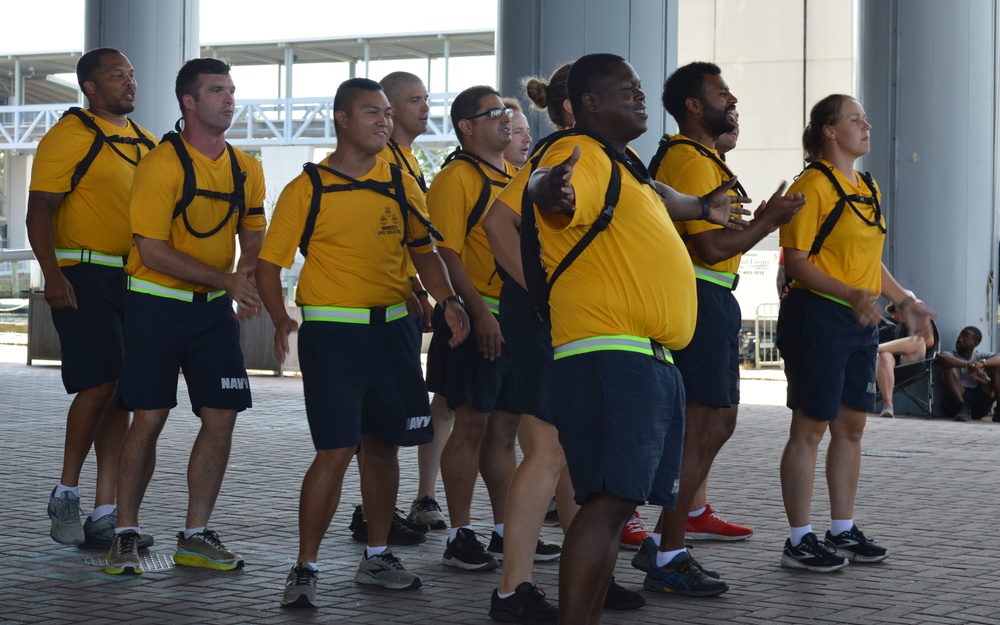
<point x="855" y="546"/>
<point x="300" y="587"/>
<point x="466" y="552"/>
<point x="544" y="551"/>
<point x="526" y="605"/>
<point x="812" y="555"/>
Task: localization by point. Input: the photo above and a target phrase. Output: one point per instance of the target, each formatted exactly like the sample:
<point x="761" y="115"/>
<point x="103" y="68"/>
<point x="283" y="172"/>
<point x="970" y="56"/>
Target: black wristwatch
<point x="452" y="298"/>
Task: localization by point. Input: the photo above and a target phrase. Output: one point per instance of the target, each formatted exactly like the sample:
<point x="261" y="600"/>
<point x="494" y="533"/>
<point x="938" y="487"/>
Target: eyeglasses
<point x="494" y="113"/>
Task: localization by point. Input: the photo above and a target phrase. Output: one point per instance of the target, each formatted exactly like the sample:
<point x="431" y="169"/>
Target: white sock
<point x="312" y="565"/>
<point x="62" y="488"/>
<point x="371" y="552"/>
<point x="504" y="595"/>
<point x="102" y="511"/>
<point x="656" y="538"/>
<point x="191" y="531"/>
<point x="698" y="512"/>
<point x="664" y="557"/>
<point x="839" y="526"/>
<point x="498" y="528"/>
<point x="120" y="529"/>
<point x="795" y="534"/>
<point x="453" y="533"/>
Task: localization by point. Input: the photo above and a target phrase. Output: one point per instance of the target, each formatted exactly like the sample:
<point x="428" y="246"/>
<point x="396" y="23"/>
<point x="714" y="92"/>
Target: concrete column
<point x="534" y="37"/>
<point x="18" y="178"/>
<point x="928" y="82"/>
<point x="157" y="36"/>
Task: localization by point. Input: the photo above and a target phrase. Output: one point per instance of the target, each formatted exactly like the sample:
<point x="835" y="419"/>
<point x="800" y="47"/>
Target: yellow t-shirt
<point x="450" y="202"/>
<point x="635" y="277"/>
<point x="404" y="158"/>
<point x="688" y="171"/>
<point x="511" y="194"/>
<point x="159" y="186"/>
<point x="356" y="257"/>
<point x="852" y="253"/>
<point x="94" y="216"/>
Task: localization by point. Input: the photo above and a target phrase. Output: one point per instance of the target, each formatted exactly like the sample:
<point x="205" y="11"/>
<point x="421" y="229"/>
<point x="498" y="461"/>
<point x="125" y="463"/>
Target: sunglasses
<point x="494" y="113"/>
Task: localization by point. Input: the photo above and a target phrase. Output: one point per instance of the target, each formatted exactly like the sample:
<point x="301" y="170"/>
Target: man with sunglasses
<point x="476" y="376"/>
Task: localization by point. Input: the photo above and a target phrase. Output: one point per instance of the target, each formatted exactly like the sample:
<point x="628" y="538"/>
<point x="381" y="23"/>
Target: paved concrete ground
<point x="930" y="491"/>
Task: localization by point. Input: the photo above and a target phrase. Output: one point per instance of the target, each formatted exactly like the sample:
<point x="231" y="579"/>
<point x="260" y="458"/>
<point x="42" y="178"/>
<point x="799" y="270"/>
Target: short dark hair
<point x="686" y="82"/>
<point x="393" y="83"/>
<point x="187" y="78"/>
<point x="826" y="112"/>
<point x="974" y="332"/>
<point x="90" y="63"/>
<point x="586" y="73"/>
<point x="349" y="89"/>
<point x="466" y="104"/>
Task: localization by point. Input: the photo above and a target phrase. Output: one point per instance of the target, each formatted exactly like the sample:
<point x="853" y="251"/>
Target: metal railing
<point x="16" y="263"/>
<point x="765" y="325"/>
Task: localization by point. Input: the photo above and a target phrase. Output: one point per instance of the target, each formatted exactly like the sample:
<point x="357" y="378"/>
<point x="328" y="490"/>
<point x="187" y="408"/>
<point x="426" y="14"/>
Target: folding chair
<point x="915" y="380"/>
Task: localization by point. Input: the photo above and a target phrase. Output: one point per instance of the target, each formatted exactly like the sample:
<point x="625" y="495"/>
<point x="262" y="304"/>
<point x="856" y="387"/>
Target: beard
<point x="717" y="121"/>
<point x="115" y="104"/>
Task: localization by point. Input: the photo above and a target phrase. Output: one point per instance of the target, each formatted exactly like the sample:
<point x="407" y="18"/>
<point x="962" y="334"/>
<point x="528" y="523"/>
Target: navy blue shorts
<point x="363" y="379"/>
<point x="92" y="337"/>
<point x="829" y="356"/>
<point x="202" y="339"/>
<point x="463" y="376"/>
<point x="529" y="342"/>
<point x="710" y="364"/>
<point x="620" y="417"/>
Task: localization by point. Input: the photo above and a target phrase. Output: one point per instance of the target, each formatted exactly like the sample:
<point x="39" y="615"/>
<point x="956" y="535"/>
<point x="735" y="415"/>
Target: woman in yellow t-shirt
<point x="827" y="331"/>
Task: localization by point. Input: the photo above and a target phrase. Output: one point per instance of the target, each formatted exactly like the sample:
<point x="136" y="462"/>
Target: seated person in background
<point x="895" y="348"/>
<point x="971" y="378"/>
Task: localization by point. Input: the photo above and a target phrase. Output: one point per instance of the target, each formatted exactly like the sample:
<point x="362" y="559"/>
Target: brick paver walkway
<point x="929" y="491"/>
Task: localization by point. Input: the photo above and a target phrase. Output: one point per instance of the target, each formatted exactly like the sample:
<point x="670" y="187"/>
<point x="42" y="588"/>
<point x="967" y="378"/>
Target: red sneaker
<point x="710" y="526"/>
<point x="634" y="532"/>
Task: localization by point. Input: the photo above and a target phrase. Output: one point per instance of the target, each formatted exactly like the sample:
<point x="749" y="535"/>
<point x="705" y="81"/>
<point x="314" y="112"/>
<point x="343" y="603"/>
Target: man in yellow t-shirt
<point x="355" y="236"/>
<point x="193" y="196"/>
<point x="612" y="390"/>
<point x="704" y="108"/>
<point x="410" y="109"/>
<point x="79" y="231"/>
<point x="476" y="378"/>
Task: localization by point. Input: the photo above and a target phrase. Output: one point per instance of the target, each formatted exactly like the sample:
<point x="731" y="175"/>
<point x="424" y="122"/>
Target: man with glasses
<point x="476" y="376"/>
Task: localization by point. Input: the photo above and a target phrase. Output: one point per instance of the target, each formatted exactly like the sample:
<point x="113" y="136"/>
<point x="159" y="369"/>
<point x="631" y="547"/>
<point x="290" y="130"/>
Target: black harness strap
<point x="236" y="199"/>
<point x="831" y="220"/>
<point x="100" y="138"/>
<point x="397" y="153"/>
<point x="667" y="141"/>
<point x="484" y="194"/>
<point x="535" y="279"/>
<point x="393" y="190"/>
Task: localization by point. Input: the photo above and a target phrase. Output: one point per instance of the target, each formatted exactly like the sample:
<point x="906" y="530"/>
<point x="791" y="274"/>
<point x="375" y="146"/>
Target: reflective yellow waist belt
<point x="619" y="342"/>
<point x="90" y="256"/>
<point x="363" y="316"/>
<point x="493" y="303"/>
<point x="723" y="279"/>
<point x="152" y="288"/>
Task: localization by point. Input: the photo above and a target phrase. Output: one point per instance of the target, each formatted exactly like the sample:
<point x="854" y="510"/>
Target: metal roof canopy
<point x="357" y="48"/>
<point x="34" y="69"/>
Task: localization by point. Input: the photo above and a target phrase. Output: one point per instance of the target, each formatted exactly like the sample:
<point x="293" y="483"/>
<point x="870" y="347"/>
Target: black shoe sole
<point x="300" y="603"/>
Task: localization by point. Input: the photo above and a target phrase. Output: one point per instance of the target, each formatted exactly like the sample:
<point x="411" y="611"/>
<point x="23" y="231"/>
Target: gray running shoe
<point x="205" y="550"/>
<point x="65" y="514"/>
<point x="427" y="510"/>
<point x="101" y="533"/>
<point x="385" y="570"/>
<point x="123" y="558"/>
<point x="300" y="587"/>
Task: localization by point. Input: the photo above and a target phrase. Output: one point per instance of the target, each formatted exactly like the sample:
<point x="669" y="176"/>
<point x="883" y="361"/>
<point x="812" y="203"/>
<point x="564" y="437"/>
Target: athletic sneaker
<point x="300" y="587"/>
<point x="123" y="557"/>
<point x="888" y="413"/>
<point x="526" y="605"/>
<point x="427" y="510"/>
<point x="710" y="526"/>
<point x="812" y="555"/>
<point x="683" y="577"/>
<point x="466" y="552"/>
<point x="64" y="511"/>
<point x="101" y="533"/>
<point x="855" y="546"/>
<point x="385" y="570"/>
<point x="205" y="550"/>
<point x="621" y="598"/>
<point x="401" y="531"/>
<point x="645" y="559"/>
<point x="544" y="551"/>
<point x="633" y="533"/>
